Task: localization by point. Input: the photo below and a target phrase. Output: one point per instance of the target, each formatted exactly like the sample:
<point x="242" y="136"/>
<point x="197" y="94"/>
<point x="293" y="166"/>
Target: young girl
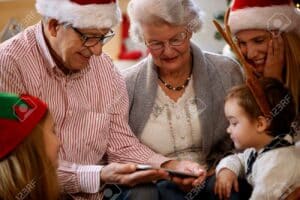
<point x="270" y="161"/>
<point x="28" y="149"/>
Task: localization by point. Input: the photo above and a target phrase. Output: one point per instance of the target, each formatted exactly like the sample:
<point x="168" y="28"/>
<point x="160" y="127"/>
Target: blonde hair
<point x="27" y="173"/>
<point x="292" y="64"/>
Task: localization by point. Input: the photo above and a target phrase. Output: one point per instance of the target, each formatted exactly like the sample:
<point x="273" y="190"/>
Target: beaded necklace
<point x="178" y="88"/>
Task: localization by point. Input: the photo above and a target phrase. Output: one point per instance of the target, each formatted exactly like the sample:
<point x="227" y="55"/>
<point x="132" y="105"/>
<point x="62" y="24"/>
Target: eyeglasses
<point x="92" y="41"/>
<point x="177" y="40"/>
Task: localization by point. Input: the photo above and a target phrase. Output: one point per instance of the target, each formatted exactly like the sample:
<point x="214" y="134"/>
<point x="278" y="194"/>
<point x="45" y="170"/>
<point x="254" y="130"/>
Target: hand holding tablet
<point x="179" y="174"/>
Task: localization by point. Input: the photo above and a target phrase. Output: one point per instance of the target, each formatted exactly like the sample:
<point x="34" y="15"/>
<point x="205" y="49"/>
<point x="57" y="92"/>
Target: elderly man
<point x="60" y="60"/>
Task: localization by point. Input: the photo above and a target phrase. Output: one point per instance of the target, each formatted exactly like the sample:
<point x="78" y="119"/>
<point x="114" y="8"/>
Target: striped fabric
<point x="90" y="110"/>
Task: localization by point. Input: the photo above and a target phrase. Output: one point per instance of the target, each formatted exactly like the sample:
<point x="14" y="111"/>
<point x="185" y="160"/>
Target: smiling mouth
<point x="259" y="61"/>
<point x="85" y="57"/>
<point x="170" y="59"/>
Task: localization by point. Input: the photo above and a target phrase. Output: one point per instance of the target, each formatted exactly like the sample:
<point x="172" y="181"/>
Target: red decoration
<point x="240" y="4"/>
<point x="125" y="53"/>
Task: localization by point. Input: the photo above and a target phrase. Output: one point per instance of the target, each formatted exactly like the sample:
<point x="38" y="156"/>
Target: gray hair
<point x="173" y="12"/>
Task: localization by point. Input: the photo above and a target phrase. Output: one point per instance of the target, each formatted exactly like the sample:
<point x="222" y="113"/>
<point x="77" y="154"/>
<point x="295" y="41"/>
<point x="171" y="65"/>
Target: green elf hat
<point x="18" y="117"/>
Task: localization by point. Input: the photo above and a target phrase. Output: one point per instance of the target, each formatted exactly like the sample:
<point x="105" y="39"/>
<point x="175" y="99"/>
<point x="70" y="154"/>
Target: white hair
<point x="173" y="12"/>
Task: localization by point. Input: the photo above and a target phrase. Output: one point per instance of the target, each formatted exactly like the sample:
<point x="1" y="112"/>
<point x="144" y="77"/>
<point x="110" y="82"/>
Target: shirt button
<point x="182" y="137"/>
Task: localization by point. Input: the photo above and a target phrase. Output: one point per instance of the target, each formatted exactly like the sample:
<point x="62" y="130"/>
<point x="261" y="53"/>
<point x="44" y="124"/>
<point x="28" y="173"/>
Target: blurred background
<point x="15" y="15"/>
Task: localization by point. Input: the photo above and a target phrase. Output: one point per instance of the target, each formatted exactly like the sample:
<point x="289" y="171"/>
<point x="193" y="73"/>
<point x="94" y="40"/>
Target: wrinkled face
<point x="51" y="141"/>
<point x="254" y="46"/>
<point x="170" y="57"/>
<point x="70" y="48"/>
<point x="241" y="129"/>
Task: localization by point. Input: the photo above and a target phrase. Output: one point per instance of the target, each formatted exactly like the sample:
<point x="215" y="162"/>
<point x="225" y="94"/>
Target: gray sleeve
<point x="232" y="73"/>
<point x="130" y="76"/>
<point x="228" y="72"/>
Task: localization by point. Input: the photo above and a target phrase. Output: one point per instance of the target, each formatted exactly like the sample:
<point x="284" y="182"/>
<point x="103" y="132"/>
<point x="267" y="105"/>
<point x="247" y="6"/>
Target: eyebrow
<point x="230" y="117"/>
<point x="155" y="40"/>
<point x="255" y="38"/>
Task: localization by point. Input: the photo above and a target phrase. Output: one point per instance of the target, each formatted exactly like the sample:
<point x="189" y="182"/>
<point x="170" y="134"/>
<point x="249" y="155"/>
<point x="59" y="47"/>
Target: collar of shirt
<point x="277" y="142"/>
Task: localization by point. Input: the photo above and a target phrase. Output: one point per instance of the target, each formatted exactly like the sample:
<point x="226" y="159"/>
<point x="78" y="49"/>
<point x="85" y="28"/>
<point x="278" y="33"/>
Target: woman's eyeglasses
<point x="177" y="40"/>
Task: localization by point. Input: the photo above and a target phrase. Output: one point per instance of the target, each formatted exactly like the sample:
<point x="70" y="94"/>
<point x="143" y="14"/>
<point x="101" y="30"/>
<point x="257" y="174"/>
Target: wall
<point x="24" y="12"/>
<point x="205" y="38"/>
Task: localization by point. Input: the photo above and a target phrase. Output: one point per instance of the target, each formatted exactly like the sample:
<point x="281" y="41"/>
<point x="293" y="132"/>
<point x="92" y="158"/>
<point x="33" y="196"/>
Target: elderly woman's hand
<point x="275" y="58"/>
<point x="186" y="184"/>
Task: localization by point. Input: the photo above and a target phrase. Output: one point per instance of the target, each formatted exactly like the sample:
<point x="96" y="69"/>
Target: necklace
<point x="178" y="88"/>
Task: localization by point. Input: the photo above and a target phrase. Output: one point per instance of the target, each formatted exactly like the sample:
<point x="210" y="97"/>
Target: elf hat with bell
<point x="19" y="115"/>
<point x="82" y="13"/>
<point x="280" y="15"/>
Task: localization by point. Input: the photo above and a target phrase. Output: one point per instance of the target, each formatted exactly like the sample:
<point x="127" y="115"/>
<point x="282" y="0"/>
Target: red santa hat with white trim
<point x="281" y="15"/>
<point x="82" y="13"/>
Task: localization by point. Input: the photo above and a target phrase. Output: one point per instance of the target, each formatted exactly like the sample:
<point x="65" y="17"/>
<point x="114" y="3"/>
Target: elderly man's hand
<point x="186" y="184"/>
<point x="126" y="174"/>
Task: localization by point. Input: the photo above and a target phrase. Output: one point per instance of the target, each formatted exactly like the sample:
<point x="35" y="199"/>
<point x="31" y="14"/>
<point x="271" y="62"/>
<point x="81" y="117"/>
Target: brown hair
<point x="280" y="101"/>
<point x="27" y="173"/>
<point x="292" y="64"/>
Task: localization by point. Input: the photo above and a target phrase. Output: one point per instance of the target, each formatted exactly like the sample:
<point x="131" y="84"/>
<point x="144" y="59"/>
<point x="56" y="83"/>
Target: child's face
<point x="242" y="130"/>
<point x="51" y="140"/>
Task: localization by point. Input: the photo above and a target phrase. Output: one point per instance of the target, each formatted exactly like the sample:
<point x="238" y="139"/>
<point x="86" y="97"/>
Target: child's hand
<point x="224" y="181"/>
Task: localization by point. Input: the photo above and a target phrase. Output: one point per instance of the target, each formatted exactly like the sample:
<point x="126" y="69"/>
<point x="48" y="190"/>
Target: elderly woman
<point x="176" y="94"/>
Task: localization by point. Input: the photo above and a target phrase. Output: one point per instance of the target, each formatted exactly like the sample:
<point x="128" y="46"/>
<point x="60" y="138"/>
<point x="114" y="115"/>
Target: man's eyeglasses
<point x="177" y="40"/>
<point x="92" y="41"/>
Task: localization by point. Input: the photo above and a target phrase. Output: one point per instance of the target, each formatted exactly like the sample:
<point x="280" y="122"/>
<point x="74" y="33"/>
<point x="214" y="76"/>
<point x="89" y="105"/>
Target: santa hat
<point x="281" y="15"/>
<point x="19" y="115"/>
<point x="82" y="13"/>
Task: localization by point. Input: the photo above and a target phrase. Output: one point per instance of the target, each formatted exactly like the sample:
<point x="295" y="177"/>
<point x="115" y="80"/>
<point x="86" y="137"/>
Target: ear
<point x="262" y="123"/>
<point x="53" y="27"/>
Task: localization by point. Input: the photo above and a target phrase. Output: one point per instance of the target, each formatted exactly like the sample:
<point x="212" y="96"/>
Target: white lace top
<point x="173" y="128"/>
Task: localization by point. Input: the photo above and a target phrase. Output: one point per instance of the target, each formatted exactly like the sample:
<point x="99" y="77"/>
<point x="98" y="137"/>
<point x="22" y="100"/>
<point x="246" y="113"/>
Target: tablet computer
<point x="179" y="174"/>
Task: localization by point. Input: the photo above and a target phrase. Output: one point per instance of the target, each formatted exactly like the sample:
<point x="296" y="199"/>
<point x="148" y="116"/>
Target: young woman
<point x="268" y="34"/>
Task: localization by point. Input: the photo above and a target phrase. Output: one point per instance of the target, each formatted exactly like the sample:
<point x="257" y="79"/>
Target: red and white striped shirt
<point x="90" y="109"/>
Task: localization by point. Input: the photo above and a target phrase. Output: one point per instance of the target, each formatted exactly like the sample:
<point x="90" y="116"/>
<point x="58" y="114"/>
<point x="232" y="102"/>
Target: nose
<point x="167" y="50"/>
<point x="251" y="52"/>
<point x="96" y="49"/>
<point x="228" y="130"/>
